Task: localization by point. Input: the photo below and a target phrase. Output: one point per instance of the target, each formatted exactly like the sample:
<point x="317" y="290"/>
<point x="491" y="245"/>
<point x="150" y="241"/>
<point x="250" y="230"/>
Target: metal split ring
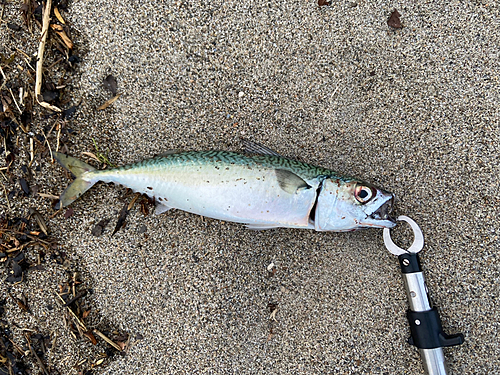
<point x="416" y="246"/>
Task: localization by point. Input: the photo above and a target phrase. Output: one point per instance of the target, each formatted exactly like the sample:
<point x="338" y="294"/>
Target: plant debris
<point x="39" y="220"/>
<point x="41" y="51"/>
<point x="21" y="302"/>
<point x="99" y="227"/>
<point x="24" y="186"/>
<point x="62" y="33"/>
<point x="99" y="156"/>
<point x="37" y="62"/>
<point x="111" y="84"/>
<point x="324" y="2"/>
<point x="109" y="102"/>
<point x="13" y="26"/>
<point x="121" y="219"/>
<point x="273" y="307"/>
<point x="394" y="20"/>
<point x="58" y="16"/>
<point x="69" y="212"/>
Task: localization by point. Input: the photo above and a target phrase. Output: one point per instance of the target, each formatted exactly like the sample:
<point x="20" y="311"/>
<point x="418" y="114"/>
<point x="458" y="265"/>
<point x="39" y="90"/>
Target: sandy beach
<point x="414" y="110"/>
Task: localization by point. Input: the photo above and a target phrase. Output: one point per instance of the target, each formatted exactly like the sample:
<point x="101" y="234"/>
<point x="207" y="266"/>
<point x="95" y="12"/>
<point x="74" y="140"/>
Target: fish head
<point x="350" y="205"/>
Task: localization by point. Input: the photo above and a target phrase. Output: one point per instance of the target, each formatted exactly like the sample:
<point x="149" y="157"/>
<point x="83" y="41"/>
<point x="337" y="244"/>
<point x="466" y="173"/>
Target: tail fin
<point x="80" y="185"/>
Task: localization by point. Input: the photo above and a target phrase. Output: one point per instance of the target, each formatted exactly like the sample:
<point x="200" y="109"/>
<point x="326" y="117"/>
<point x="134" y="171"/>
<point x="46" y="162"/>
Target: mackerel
<point x="263" y="190"/>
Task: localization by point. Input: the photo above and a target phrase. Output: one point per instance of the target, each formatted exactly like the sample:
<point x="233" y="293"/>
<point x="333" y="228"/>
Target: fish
<point x="258" y="188"/>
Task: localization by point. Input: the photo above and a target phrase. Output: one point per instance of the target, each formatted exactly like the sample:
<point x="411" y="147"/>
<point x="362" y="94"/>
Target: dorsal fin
<point x="290" y="182"/>
<point x="256" y="148"/>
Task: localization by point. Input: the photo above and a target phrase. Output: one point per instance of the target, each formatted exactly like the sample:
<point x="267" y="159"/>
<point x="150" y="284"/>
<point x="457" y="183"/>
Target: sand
<point x="414" y="110"/>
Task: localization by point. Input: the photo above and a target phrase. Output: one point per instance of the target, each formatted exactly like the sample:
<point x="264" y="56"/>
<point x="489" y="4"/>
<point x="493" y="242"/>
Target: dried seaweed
<point x="121" y="219"/>
<point x="394" y="20"/>
<point x="111" y="84"/>
<point x="26" y="242"/>
<point x="99" y="227"/>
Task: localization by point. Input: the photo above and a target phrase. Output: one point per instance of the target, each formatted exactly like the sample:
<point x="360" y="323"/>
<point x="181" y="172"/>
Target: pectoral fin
<point x="290" y="182"/>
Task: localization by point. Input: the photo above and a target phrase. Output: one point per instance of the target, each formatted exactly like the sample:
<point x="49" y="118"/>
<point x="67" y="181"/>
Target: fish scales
<point x="262" y="191"/>
<point x="223" y="185"/>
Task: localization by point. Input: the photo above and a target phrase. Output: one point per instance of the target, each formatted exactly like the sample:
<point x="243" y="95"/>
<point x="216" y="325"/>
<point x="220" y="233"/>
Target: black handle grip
<point x="427" y="331"/>
<point x="410" y="263"/>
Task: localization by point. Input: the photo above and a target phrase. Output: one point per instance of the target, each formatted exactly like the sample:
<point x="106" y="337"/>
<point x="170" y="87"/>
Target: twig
<point x="109" y="102"/>
<point x="50" y="196"/>
<point x="13" y="250"/>
<point x="24" y="53"/>
<point x="27" y="235"/>
<point x="3" y="74"/>
<point x="55" y="213"/>
<point x="55" y="63"/>
<point x="41" y="48"/>
<point x="22" y="95"/>
<point x="59" y="126"/>
<point x="32" y="154"/>
<point x="73" y="287"/>
<point x="80" y="323"/>
<point x="28" y="63"/>
<point x="50" y="149"/>
<point x="15" y="101"/>
<point x="39" y="64"/>
<point x="109" y="341"/>
<point x="3" y="10"/>
<point x="33" y="353"/>
<point x="18" y="348"/>
<point x="1" y="15"/>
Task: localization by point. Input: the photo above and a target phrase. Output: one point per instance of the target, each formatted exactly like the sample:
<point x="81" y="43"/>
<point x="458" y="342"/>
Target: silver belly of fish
<point x="262" y="191"/>
<point x="222" y="187"/>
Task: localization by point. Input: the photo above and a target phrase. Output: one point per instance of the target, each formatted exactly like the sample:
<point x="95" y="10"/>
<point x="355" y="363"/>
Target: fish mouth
<point x="382" y="216"/>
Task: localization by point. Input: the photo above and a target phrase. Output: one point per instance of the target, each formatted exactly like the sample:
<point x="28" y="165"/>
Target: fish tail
<point x="83" y="182"/>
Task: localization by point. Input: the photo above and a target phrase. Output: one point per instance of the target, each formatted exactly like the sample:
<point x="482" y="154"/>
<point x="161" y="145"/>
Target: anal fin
<point x="261" y="226"/>
<point x="161" y="208"/>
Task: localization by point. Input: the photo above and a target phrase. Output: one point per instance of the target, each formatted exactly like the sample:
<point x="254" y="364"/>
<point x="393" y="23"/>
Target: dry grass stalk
<point x="60" y="31"/>
<point x="108" y="340"/>
<point x="50" y="196"/>
<point x="58" y="15"/>
<point x="39" y="65"/>
<point x="79" y="324"/>
<point x="109" y="102"/>
<point x="91" y="155"/>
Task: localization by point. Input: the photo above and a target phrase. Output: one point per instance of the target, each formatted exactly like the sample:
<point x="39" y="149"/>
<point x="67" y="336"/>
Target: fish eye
<point x="364" y="194"/>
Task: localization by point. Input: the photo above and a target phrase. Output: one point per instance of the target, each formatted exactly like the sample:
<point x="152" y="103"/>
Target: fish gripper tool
<point x="425" y="324"/>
